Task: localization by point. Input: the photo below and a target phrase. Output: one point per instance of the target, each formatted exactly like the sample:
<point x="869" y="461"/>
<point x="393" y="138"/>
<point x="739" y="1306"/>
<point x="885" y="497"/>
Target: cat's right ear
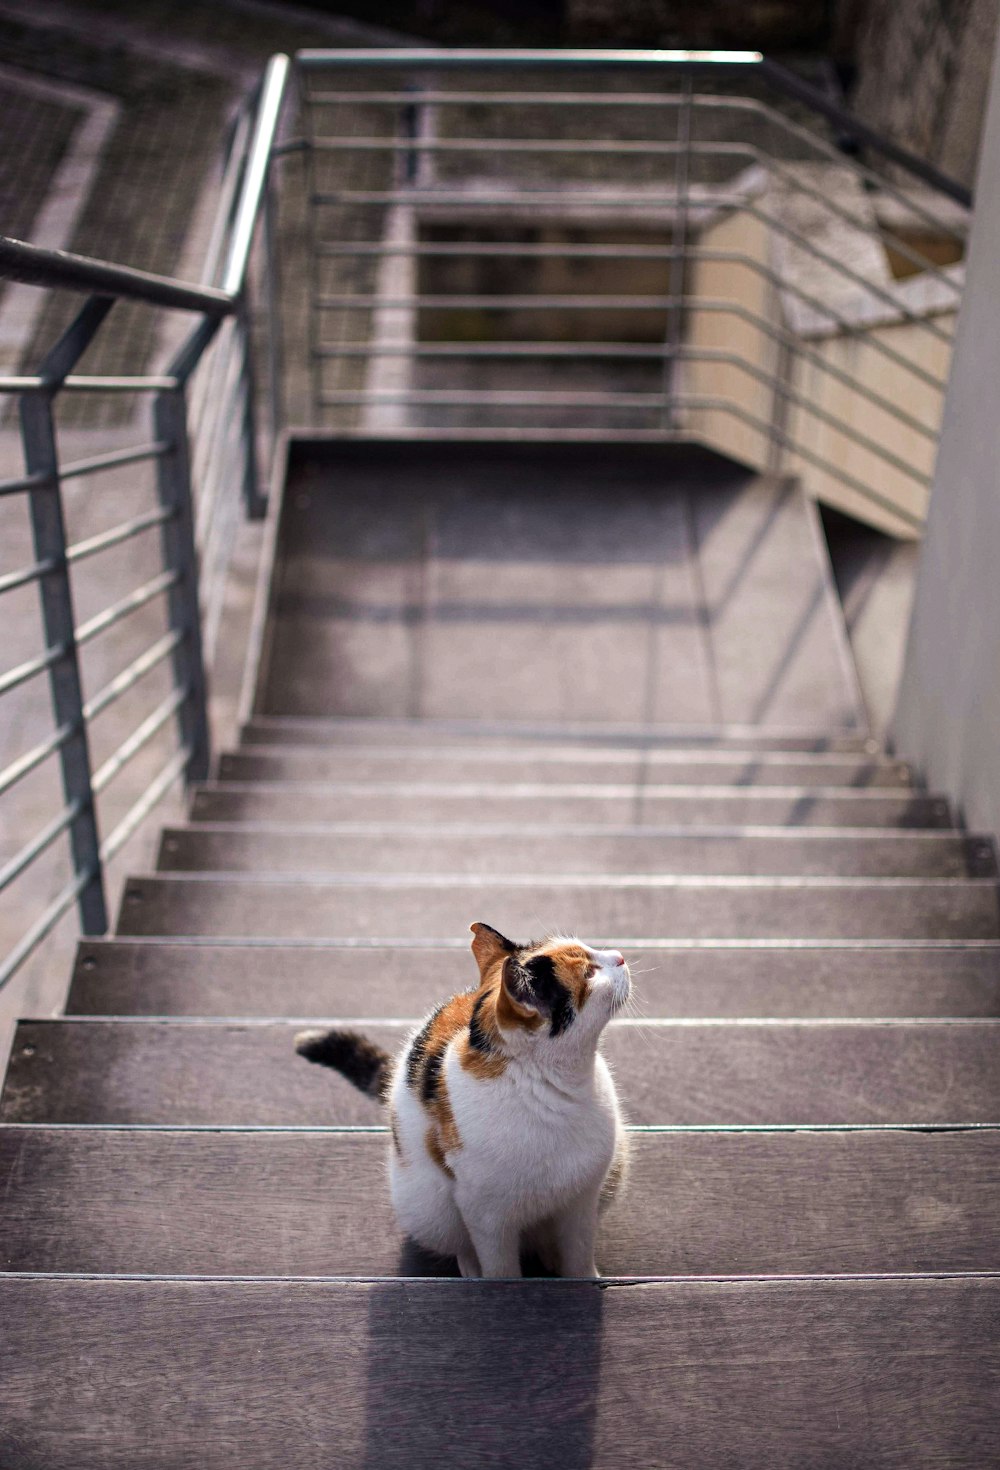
<point x="488" y="946"/>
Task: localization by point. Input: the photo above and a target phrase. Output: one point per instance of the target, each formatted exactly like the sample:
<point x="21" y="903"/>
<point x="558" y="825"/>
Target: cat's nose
<point x="616" y="957"/>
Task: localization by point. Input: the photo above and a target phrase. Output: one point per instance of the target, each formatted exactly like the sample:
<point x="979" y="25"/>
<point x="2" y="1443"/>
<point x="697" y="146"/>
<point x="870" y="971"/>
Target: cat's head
<point x="557" y="990"/>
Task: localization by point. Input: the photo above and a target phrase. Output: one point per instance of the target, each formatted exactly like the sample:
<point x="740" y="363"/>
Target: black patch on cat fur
<point x="418" y="1058"/>
<point x="363" y="1063"/>
<point x="538" y="975"/>
<point x="478" y="1038"/>
<point x="432" y="1074"/>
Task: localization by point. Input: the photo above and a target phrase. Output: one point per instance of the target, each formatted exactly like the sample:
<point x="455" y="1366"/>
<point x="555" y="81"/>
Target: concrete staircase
<point x="200" y="1263"/>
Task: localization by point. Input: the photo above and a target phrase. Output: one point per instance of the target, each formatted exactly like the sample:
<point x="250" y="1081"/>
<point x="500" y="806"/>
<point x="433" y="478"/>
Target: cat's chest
<point x="532" y="1125"/>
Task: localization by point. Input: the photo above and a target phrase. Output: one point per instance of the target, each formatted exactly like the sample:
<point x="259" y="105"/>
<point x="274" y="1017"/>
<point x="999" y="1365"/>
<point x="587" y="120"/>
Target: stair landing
<point x="592" y="583"/>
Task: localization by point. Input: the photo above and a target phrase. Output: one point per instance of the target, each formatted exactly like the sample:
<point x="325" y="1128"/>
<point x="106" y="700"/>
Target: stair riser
<point x="801" y="854"/>
<point x="244" y="907"/>
<point x="305" y="1204"/>
<point x="753" y="807"/>
<point x="679" y="769"/>
<point x="737" y="1073"/>
<point x="122" y="978"/>
<point x="247" y="1376"/>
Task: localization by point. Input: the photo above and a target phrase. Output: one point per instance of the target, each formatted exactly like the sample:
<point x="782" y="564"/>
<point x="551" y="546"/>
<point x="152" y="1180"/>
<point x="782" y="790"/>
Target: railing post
<point x="49" y="532"/>
<point x="672" y="386"/>
<point x="254" y="503"/>
<point x="272" y="287"/>
<point x="173" y="482"/>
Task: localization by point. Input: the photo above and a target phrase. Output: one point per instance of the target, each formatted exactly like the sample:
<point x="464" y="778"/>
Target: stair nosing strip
<point x="680" y="1022"/>
<point x="381" y="1130"/>
<point x="450" y="943"/>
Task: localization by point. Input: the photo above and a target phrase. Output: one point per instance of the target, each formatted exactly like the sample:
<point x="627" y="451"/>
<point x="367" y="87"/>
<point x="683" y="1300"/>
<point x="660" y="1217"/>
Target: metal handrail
<point x="343" y="318"/>
<point x="177" y="580"/>
<point x="460" y="58"/>
<point x="34" y="266"/>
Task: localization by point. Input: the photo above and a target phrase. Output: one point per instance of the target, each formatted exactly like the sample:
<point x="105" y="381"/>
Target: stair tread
<point x="252" y="1203"/>
<point x="213" y="1073"/>
<point x="778" y="851"/>
<point x="657" y="805"/>
<point x="245" y="1375"/>
<point x="715" y="768"/>
<point x="500" y="737"/>
<point x="678" y="978"/>
<point x="245" y="905"/>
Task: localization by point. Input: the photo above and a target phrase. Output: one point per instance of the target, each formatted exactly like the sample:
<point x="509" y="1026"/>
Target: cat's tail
<point x="360" y="1060"/>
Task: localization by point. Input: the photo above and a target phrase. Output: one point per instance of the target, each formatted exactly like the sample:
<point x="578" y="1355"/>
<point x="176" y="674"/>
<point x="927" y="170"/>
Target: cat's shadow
<point x="415" y="1261"/>
<point x="466" y="1373"/>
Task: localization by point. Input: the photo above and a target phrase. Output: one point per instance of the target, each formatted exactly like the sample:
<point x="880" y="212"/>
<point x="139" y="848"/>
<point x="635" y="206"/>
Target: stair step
<point x="214" y="1073"/>
<point x="648" y="806"/>
<point x="615" y="909"/>
<point x="500" y="737"/>
<point x="245" y="1375"/>
<point x="674" y="978"/>
<point x="256" y="1203"/>
<point x="664" y="767"/>
<point x="774" y="851"/>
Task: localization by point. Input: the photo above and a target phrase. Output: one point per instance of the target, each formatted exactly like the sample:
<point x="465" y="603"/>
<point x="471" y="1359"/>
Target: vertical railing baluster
<point x="254" y="502"/>
<point x="678" y="260"/>
<point x="173" y="482"/>
<point x="273" y="315"/>
<point x="311" y="241"/>
<point x="48" y="528"/>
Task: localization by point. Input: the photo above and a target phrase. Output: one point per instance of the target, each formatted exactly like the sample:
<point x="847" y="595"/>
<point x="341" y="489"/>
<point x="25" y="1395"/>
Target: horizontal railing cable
<point x="140" y="737"/>
<point x="30" y="669"/>
<point x="32" y="759"/>
<point x="39" y="844"/>
<point x="26" y="575"/>
<point x="131" y="675"/>
<point x="155" y="587"/>
<point x="171" y="773"/>
<point x="45" y="923"/>
<point x="116" y="459"/>
<point x="105" y="540"/>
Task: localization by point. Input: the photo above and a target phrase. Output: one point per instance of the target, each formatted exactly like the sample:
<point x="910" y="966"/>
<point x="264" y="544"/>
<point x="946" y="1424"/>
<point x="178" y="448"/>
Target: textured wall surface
<point x="923" y="73"/>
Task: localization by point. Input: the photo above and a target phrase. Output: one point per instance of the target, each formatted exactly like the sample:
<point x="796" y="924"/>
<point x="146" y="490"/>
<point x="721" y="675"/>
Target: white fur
<point x="536" y="1146"/>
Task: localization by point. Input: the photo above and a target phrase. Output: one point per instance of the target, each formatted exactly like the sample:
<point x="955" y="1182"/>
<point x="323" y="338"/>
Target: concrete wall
<point x="923" y="74"/>
<point x="948" y="717"/>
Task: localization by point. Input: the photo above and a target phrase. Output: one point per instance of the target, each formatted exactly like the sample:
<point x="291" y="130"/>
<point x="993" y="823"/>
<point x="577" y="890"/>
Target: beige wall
<point x="854" y="355"/>
<point x="816" y="397"/>
<point x="731" y="432"/>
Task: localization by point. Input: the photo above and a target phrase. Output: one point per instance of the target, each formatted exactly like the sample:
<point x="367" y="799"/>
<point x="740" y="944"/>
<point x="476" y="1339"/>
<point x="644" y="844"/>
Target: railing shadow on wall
<point x="479" y="245"/>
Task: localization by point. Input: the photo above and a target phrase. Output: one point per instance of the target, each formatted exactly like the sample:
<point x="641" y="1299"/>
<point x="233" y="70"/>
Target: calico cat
<point x="506" y="1132"/>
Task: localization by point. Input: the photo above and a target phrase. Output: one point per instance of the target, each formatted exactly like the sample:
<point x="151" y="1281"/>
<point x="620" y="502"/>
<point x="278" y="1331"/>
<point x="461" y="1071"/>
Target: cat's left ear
<point x="517" y="1003"/>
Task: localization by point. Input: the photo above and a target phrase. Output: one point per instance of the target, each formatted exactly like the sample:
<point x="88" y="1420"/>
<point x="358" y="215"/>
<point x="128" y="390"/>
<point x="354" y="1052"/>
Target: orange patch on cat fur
<point x="436" y="1151"/>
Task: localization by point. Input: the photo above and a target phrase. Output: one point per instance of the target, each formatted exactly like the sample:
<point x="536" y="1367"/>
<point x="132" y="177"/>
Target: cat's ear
<point x="517" y="1003"/>
<point x="488" y="946"/>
